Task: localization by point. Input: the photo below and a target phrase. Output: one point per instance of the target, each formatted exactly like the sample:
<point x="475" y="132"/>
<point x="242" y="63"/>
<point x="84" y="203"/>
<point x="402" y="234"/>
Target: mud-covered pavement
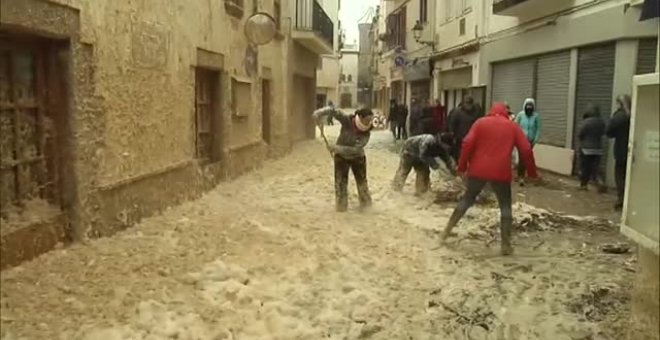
<point x="266" y="257"/>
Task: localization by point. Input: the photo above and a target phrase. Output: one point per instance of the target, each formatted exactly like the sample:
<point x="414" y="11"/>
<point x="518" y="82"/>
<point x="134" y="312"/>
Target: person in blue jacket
<point x="530" y="122"/>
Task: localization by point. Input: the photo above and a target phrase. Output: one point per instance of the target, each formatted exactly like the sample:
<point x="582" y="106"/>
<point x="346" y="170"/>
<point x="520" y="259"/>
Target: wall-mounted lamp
<point x="418" y="29"/>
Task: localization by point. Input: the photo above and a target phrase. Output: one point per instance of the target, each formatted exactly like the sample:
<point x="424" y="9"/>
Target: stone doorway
<point x="33" y="147"/>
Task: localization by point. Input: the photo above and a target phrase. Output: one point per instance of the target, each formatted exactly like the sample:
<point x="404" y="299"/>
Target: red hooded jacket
<point x="486" y="151"/>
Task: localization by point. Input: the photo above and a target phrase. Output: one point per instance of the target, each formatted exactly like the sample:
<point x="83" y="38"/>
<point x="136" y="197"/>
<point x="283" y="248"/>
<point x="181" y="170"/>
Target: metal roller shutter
<point x="553" y="73"/>
<point x="647" y="52"/>
<point x="595" y="79"/>
<point x="512" y="82"/>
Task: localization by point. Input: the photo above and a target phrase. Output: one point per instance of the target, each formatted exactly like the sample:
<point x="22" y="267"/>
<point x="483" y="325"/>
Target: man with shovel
<point x="348" y="152"/>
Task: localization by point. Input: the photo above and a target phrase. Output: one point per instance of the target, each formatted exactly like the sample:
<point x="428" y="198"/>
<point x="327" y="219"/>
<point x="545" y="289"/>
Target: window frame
<point x="423" y="11"/>
<point x="207" y="85"/>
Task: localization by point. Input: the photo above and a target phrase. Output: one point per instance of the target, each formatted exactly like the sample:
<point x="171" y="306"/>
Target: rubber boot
<point x="453" y="221"/>
<point x="505" y="229"/>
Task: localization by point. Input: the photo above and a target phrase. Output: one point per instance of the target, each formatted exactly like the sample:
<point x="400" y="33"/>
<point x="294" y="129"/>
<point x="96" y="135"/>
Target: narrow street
<point x="266" y="257"/>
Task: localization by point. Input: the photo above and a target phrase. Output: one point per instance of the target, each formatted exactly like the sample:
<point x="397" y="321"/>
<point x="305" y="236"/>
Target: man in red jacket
<point x="486" y="155"/>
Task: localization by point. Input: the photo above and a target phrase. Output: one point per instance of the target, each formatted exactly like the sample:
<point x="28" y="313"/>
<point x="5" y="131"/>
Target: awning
<point x="650" y="10"/>
<point x="417" y="70"/>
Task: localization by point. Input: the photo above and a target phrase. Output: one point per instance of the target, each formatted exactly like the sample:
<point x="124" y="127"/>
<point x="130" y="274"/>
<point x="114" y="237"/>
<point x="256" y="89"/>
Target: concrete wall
<point x="349" y="66"/>
<point x="447" y="18"/>
<point x="328" y="75"/>
<point x="132" y="100"/>
<point x="570" y="30"/>
<point x="645" y="298"/>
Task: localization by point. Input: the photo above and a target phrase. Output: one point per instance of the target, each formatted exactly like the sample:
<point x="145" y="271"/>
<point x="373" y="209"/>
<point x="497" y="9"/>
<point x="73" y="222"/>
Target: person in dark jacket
<point x="460" y="122"/>
<point x="330" y="121"/>
<point x="401" y="121"/>
<point x="619" y="128"/>
<point x="426" y="121"/>
<point x="414" y="121"/>
<point x="392" y="118"/>
<point x="590" y="139"/>
<point x="348" y="153"/>
<point x="439" y="117"/>
<point x="486" y="156"/>
<point x="420" y="153"/>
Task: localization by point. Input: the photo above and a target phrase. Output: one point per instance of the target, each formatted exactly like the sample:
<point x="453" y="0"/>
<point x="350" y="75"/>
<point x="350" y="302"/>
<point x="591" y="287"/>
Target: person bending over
<point x="420" y="153"/>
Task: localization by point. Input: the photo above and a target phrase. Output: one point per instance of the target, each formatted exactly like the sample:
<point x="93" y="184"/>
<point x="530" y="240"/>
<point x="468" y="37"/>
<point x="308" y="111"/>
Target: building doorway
<point x="346" y="100"/>
<point x="321" y="100"/>
<point x="34" y="146"/>
<point x="266" y="114"/>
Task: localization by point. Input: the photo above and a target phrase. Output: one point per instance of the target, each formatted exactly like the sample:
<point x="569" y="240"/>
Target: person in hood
<point x="348" y="153"/>
<point x="618" y="129"/>
<point x="420" y="153"/>
<point x="486" y="158"/>
<point x="460" y="121"/>
<point x="590" y="139"/>
<point x="529" y="121"/>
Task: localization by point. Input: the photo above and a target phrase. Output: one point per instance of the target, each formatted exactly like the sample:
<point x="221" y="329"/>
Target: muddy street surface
<point x="266" y="257"/>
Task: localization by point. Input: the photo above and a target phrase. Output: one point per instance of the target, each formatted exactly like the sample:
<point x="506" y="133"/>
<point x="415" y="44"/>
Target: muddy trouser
<point x="422" y="173"/>
<point x="456" y="149"/>
<point x="400" y="131"/>
<point x="359" y="168"/>
<point x="589" y="168"/>
<point x="620" y="178"/>
<point x="520" y="168"/>
<point x="502" y="191"/>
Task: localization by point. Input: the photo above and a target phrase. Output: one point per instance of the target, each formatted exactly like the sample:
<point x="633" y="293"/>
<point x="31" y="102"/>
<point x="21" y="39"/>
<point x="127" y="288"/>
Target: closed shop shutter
<point x="512" y="82"/>
<point x="647" y="52"/>
<point x="456" y="79"/>
<point x="594" y="85"/>
<point x="553" y="72"/>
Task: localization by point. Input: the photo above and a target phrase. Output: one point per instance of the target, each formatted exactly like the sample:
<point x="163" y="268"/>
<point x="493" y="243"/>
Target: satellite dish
<point x="260" y="28"/>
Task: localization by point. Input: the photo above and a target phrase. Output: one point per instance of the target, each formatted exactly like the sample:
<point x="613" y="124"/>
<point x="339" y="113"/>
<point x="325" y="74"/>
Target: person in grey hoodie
<point x="590" y="137"/>
<point x="348" y="152"/>
<point x="420" y="153"/>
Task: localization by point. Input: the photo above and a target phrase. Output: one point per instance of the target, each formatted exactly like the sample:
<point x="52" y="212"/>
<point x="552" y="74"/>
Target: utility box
<point x="640" y="211"/>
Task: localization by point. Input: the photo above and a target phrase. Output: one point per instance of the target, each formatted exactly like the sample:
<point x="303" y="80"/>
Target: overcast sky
<point x="351" y="11"/>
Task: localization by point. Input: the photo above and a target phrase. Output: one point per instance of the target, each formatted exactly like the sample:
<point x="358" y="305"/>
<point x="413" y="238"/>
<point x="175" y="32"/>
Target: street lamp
<point x="417" y="34"/>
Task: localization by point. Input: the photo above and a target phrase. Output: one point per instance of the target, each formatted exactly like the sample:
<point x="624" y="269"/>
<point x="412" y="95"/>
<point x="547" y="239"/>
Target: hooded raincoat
<point x="531" y="125"/>
<point x="486" y="151"/>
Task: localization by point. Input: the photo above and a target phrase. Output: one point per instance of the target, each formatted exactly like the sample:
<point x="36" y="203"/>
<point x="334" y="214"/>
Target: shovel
<point x="325" y="139"/>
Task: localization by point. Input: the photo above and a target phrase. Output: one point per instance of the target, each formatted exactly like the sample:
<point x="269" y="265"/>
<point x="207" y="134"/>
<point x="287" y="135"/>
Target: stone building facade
<point x="112" y="112"/>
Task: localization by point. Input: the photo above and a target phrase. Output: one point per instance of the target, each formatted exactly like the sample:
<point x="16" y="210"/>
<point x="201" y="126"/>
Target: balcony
<point x="520" y="8"/>
<point x="313" y="27"/>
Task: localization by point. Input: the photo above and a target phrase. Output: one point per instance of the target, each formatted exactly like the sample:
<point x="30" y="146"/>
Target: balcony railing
<point x="310" y="16"/>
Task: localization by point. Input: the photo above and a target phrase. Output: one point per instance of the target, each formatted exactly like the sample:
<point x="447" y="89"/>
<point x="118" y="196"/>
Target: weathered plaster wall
<point x="131" y="67"/>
